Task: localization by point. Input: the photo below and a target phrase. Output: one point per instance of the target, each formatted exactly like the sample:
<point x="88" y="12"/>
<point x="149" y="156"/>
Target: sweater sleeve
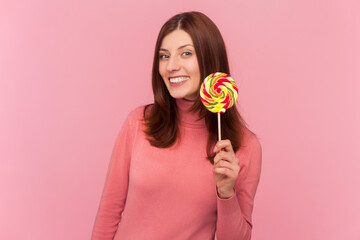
<point x="114" y="195"/>
<point x="234" y="214"/>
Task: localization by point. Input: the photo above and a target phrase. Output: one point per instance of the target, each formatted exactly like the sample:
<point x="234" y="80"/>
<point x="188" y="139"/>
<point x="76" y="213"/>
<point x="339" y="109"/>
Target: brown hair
<point x="162" y="119"/>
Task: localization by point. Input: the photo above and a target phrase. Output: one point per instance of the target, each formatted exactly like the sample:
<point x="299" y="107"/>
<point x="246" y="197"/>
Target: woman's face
<point x="178" y="65"/>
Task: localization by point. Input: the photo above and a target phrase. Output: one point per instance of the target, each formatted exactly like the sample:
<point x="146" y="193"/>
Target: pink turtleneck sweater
<point x="160" y="194"/>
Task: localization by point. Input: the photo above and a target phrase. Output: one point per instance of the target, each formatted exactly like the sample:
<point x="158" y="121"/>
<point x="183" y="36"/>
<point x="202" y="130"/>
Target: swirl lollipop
<point x="218" y="92"/>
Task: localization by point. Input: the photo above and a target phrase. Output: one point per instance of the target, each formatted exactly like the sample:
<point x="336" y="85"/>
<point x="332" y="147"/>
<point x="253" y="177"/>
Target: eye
<point x="163" y="56"/>
<point x="186" y="53"/>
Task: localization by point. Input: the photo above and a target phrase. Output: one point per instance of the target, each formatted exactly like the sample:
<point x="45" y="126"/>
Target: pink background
<point x="70" y="72"/>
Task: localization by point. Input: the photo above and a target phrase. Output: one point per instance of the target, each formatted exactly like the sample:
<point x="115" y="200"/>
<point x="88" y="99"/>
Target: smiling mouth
<point x="178" y="79"/>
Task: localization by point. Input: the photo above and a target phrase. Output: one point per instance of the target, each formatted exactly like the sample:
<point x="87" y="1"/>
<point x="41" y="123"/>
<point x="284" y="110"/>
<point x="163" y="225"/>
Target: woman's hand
<point x="226" y="168"/>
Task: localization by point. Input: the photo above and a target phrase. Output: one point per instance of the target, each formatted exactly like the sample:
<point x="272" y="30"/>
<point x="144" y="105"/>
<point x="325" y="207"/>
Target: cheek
<point x="196" y="73"/>
<point x="161" y="67"/>
<point x="162" y="71"/>
<point x="195" y="68"/>
<point x="163" y="75"/>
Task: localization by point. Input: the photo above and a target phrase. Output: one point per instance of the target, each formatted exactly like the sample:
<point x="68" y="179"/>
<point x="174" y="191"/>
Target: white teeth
<point x="178" y="79"/>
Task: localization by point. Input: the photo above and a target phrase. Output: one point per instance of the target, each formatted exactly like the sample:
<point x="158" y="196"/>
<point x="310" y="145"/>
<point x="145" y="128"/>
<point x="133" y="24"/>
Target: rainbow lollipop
<point x="218" y="92"/>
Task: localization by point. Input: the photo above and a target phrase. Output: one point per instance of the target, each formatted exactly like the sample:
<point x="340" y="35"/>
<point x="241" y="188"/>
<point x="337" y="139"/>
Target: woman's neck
<point x="189" y="118"/>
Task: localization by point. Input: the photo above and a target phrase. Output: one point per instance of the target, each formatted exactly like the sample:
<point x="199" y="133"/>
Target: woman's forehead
<point x="175" y="40"/>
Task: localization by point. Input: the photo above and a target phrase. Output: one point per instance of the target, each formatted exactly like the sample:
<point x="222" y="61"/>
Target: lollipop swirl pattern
<point x="218" y="92"/>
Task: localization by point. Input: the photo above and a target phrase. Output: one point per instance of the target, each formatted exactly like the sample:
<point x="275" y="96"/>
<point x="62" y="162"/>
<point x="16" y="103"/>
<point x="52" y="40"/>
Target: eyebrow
<point x="163" y="49"/>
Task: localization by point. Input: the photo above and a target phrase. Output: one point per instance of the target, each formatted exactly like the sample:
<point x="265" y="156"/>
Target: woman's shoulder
<point x="137" y="114"/>
<point x="250" y="151"/>
<point x="250" y="140"/>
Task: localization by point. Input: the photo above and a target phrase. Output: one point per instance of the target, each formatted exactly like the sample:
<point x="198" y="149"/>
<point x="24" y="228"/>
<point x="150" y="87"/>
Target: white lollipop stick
<point x="219" y="126"/>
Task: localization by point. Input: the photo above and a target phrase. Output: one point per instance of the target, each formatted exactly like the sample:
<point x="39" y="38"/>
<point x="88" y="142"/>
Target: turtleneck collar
<point x="188" y="118"/>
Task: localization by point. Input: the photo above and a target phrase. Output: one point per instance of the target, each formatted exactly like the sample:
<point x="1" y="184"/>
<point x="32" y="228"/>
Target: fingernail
<point x="215" y="149"/>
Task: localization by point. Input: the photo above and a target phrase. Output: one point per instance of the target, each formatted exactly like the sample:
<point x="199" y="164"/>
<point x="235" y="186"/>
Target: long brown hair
<point x="162" y="119"/>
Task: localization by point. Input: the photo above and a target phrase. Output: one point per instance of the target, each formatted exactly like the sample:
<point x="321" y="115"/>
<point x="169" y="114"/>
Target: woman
<point x="168" y="177"/>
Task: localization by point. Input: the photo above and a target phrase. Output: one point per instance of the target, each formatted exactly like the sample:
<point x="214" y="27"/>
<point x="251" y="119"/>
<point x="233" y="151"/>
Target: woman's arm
<point x="116" y="185"/>
<point x="234" y="214"/>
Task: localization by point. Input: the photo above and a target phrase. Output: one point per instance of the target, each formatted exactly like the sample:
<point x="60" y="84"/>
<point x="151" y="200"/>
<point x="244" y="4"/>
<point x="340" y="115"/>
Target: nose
<point x="173" y="64"/>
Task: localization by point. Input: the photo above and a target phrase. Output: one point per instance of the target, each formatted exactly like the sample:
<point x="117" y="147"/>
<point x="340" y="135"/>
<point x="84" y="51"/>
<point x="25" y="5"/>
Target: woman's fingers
<point x="223" y="145"/>
<point x="225" y="164"/>
<point x="226" y="156"/>
<point x="226" y="168"/>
